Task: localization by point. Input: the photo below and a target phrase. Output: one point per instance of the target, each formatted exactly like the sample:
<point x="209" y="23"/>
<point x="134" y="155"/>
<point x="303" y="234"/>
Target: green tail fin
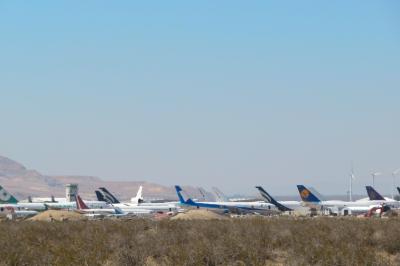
<point x="6" y="197"/>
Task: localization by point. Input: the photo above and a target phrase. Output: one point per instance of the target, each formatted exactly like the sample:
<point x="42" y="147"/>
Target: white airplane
<point x="81" y="207"/>
<point x="137" y="205"/>
<point x="17" y="212"/>
<point x="284" y="206"/>
<point x="374" y="195"/>
<point x="219" y="195"/>
<point x="8" y="200"/>
<point x="234" y="207"/>
<point x="344" y="207"/>
<point x="72" y="205"/>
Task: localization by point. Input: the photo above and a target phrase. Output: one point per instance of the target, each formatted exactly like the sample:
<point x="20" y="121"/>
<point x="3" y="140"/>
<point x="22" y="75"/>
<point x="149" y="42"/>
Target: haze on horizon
<point x="211" y="93"/>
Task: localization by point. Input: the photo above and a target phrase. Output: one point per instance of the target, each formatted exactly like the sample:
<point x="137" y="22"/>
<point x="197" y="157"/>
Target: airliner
<point x="81" y="207"/>
<point x="234" y="207"/>
<point x="17" y="212"/>
<point x="8" y="200"/>
<point x="139" y="207"/>
<point x="284" y="206"/>
<point x="309" y="199"/>
<point x="374" y="196"/>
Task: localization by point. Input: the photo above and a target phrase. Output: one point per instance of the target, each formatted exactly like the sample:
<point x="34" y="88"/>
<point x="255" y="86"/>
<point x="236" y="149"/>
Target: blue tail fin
<point x="306" y="195"/>
<point x="398" y="189"/>
<point x="268" y="198"/>
<point x="373" y="194"/>
<point x="181" y="198"/>
<point x="179" y="193"/>
<point x="108" y="196"/>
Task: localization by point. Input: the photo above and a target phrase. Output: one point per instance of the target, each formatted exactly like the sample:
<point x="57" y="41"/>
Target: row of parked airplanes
<point x="108" y="205"/>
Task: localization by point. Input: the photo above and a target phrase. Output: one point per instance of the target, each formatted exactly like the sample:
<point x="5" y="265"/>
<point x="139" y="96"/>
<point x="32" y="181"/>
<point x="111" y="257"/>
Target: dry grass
<point x="258" y="241"/>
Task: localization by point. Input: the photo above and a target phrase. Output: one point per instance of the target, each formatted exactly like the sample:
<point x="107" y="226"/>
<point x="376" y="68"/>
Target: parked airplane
<point x="72" y="205"/>
<point x="130" y="207"/>
<point x="338" y="206"/>
<point x="81" y="207"/>
<point x="373" y="195"/>
<point x="138" y="199"/>
<point x="234" y="207"/>
<point x="283" y="206"/>
<point x="8" y="200"/>
<point x="220" y="196"/>
<point x="16" y="212"/>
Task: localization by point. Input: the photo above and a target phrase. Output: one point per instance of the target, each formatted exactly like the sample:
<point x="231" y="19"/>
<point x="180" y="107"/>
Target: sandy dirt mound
<point x="198" y="215"/>
<point x="56" y="215"/>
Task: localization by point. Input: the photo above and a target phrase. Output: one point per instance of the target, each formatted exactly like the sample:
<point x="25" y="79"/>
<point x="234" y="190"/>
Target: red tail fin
<point x="80" y="205"/>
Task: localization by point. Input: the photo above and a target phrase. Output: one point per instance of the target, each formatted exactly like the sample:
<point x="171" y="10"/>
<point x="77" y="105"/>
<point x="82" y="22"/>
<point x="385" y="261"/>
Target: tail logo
<point x="305" y="193"/>
<point x="4" y="195"/>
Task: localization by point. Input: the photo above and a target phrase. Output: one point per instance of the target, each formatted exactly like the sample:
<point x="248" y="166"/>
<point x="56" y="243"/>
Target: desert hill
<point x="23" y="182"/>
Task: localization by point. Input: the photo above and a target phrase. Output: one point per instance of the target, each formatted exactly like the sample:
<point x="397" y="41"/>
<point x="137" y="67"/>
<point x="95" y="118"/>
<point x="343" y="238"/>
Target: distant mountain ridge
<point x="24" y="182"/>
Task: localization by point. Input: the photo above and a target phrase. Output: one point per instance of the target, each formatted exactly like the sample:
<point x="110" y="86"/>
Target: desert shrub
<point x="253" y="241"/>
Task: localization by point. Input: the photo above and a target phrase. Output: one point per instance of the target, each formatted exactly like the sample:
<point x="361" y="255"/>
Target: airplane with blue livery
<point x="258" y="207"/>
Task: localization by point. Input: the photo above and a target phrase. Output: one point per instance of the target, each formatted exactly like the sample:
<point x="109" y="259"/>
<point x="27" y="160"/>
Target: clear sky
<point x="211" y="93"/>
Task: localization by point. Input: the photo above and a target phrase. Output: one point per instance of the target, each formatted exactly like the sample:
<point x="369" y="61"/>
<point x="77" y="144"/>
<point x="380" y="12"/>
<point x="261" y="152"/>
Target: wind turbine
<point x="352" y="177"/>
<point x="395" y="172"/>
<point x="373" y="178"/>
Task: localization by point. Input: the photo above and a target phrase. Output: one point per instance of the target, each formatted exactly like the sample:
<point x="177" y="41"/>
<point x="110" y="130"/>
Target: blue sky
<point x="224" y="93"/>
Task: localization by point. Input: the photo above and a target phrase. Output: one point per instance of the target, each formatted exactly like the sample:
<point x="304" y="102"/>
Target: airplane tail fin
<point x="373" y="194"/>
<point x="306" y="195"/>
<point x="398" y="189"/>
<point x="268" y="198"/>
<point x="108" y="196"/>
<point x="138" y="198"/>
<point x="182" y="199"/>
<point x="202" y="193"/>
<point x="6" y="197"/>
<point x="100" y="196"/>
<point x="80" y="204"/>
<point x="219" y="195"/>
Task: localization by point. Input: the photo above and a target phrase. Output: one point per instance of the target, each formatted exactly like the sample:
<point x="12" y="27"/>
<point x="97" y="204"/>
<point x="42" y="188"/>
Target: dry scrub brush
<point x="258" y="241"/>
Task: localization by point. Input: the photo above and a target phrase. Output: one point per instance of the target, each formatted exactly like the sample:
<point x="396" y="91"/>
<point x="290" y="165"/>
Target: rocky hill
<point x="23" y="182"/>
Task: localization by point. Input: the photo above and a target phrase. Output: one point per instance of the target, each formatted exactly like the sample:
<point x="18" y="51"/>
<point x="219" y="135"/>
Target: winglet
<point x="268" y="198"/>
<point x="373" y="194"/>
<point x="306" y="195"/>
